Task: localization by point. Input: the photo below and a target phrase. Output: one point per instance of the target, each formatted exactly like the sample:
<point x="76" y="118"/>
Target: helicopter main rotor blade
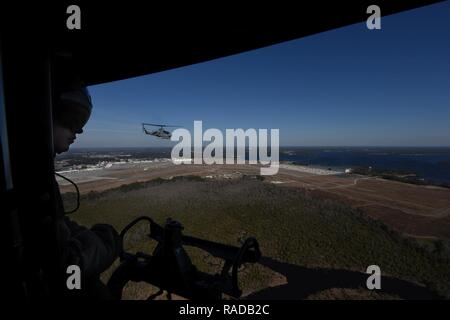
<point x="152" y="124"/>
<point x="160" y="125"/>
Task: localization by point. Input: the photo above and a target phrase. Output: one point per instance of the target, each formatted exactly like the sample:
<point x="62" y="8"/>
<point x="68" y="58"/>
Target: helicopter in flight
<point x="160" y="133"/>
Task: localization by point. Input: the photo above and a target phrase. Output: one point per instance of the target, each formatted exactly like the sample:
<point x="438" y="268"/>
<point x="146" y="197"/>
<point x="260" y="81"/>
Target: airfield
<point x="413" y="210"/>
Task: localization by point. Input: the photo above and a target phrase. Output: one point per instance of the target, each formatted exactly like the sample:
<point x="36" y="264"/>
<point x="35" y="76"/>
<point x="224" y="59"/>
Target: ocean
<point x="430" y="164"/>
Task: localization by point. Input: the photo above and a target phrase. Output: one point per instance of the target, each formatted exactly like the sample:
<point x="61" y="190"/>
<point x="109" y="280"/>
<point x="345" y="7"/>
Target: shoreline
<point x="317" y="170"/>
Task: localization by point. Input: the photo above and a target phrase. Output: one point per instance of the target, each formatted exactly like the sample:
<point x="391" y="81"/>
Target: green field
<point x="320" y="247"/>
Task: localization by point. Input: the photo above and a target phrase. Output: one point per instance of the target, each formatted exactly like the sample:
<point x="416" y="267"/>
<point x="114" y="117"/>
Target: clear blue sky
<point x="345" y="87"/>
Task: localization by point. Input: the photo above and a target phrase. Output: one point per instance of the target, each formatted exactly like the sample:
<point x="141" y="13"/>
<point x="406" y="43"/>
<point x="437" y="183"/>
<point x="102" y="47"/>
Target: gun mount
<point x="169" y="267"/>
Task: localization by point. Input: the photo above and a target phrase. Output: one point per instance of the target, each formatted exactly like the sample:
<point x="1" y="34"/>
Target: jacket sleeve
<point x="93" y="250"/>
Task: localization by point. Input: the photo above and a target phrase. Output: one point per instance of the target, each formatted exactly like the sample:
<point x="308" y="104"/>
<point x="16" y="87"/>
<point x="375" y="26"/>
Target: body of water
<point x="429" y="164"/>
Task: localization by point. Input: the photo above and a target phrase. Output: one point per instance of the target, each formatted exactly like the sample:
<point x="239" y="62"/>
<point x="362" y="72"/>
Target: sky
<point x="345" y="87"/>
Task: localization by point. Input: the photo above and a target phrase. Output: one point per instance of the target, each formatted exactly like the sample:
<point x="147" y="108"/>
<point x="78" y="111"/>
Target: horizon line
<point x="285" y="146"/>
